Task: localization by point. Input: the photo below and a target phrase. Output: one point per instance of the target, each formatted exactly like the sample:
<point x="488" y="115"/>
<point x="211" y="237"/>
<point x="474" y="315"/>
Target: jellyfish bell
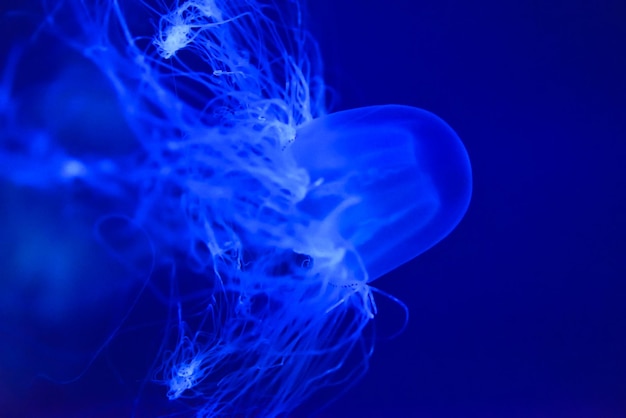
<point x="405" y="171"/>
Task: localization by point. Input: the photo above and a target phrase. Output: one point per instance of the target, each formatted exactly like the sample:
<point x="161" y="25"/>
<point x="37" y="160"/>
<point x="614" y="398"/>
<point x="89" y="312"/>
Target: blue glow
<point x="400" y="175"/>
<point x="271" y="216"/>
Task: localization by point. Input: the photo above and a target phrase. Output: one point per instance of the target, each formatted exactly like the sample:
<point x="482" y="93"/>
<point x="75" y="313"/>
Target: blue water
<point x="519" y="312"/>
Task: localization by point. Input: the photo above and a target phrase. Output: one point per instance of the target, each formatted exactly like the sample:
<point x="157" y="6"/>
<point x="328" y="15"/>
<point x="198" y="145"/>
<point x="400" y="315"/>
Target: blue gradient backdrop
<point x="521" y="311"/>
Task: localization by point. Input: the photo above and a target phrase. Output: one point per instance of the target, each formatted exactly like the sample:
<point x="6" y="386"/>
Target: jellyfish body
<point x="406" y="170"/>
<point x="272" y="215"/>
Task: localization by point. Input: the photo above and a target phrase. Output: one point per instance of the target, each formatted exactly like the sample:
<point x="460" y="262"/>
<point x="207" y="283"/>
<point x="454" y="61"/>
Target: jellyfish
<point x="272" y="215"/>
<point x="405" y="171"/>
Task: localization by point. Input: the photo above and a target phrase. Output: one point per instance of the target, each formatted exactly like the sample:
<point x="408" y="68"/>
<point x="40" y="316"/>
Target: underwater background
<point x="520" y="311"/>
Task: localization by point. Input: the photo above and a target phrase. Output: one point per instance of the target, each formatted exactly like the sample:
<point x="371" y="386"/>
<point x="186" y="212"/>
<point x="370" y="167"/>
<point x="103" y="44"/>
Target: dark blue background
<point x="521" y="311"/>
